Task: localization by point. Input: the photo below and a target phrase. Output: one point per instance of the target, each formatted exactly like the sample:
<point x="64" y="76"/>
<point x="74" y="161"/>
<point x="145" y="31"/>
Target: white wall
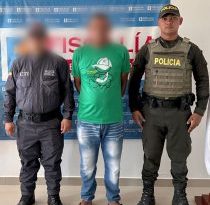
<point x="196" y="27"/>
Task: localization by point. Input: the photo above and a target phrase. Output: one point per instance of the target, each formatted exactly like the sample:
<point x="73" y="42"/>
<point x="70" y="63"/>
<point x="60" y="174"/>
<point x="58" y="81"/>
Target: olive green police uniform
<point x="167" y="75"/>
<point x="165" y="104"/>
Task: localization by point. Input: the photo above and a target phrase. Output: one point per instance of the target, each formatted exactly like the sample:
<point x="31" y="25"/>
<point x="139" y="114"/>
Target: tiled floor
<point x="9" y="195"/>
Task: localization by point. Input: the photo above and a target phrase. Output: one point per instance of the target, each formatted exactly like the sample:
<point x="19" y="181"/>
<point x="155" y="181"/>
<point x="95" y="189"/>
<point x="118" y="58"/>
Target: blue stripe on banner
<point x="75" y="21"/>
<point x="77" y="2"/>
<point x="69" y="14"/>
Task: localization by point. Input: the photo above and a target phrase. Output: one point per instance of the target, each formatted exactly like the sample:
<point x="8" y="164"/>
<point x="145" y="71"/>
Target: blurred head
<point x="99" y="27"/>
<point x="36" y="38"/>
<point x="169" y="20"/>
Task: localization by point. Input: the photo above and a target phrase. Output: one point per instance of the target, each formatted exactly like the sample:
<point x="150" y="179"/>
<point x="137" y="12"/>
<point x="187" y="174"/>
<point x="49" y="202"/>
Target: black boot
<point x="148" y="194"/>
<point x="54" y="200"/>
<point x="27" y="200"/>
<point x="180" y="196"/>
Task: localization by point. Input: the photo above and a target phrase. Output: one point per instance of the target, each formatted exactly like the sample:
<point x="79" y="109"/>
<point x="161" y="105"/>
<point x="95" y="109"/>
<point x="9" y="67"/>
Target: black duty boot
<point x="180" y="196"/>
<point x="27" y="200"/>
<point x="54" y="200"/>
<point x="148" y="194"/>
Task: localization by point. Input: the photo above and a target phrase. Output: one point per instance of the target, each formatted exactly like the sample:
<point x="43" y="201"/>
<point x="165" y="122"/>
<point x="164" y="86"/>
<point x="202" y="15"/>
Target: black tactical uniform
<point x="165" y="104"/>
<point x="38" y="86"/>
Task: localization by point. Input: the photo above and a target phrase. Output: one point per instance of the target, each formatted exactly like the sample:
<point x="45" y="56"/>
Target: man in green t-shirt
<point x="100" y="69"/>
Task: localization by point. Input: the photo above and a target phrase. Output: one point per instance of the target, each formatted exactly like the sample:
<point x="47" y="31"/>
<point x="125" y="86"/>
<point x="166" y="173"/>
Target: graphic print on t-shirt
<point x="99" y="73"/>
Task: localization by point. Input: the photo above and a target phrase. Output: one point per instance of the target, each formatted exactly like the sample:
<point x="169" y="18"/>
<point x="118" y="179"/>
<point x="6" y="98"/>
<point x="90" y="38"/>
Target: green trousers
<point x="166" y="125"/>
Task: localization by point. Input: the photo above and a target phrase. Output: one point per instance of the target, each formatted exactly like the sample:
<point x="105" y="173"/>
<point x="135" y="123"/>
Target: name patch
<point x="49" y="73"/>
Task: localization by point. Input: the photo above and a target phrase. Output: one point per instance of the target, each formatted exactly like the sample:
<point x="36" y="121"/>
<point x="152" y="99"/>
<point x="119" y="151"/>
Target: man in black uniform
<point x="38" y="84"/>
<point x="163" y="109"/>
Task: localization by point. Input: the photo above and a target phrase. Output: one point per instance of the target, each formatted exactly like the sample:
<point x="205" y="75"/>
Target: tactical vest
<point x="168" y="73"/>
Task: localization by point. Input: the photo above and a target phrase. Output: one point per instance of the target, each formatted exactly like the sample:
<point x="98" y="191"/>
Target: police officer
<point x="163" y="110"/>
<point x="38" y="84"/>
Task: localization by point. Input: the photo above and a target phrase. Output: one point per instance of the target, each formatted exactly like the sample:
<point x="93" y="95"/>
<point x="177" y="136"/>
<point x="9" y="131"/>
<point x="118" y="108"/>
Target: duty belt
<point x="40" y="117"/>
<point x="182" y="102"/>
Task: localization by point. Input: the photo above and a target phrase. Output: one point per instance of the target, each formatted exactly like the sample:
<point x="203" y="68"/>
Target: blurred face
<point x="169" y="24"/>
<point x="99" y="31"/>
<point x="36" y="45"/>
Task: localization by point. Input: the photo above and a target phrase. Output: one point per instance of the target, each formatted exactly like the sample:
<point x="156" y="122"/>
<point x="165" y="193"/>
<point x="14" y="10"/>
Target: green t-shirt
<point x="100" y="72"/>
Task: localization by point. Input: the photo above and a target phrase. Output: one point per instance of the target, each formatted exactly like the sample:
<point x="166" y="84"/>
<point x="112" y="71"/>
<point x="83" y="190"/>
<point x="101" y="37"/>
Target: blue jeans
<point x="90" y="137"/>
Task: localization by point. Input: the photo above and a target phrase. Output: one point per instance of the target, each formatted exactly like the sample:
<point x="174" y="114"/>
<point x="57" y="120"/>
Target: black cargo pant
<point x="40" y="142"/>
<point x="170" y="125"/>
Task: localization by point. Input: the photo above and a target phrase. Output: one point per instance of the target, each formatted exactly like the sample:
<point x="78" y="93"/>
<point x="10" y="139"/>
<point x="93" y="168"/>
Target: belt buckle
<point x="27" y="116"/>
<point x="36" y="118"/>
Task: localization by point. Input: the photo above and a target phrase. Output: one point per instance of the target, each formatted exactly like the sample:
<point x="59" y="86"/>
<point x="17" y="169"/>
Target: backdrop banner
<point x="136" y="21"/>
<point x="207" y="150"/>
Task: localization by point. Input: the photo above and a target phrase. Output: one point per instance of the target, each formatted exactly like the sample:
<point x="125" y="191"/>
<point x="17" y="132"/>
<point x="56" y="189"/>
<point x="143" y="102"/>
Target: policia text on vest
<point x="164" y="61"/>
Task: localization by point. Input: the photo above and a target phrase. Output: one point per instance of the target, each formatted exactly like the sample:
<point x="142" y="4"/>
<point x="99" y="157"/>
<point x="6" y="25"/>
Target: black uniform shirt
<point x="39" y="85"/>
<point x="200" y="73"/>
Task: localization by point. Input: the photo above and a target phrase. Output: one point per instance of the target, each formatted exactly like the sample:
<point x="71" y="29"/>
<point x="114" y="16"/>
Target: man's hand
<point x="65" y="126"/>
<point x="10" y="128"/>
<point x="138" y="118"/>
<point x="194" y="121"/>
